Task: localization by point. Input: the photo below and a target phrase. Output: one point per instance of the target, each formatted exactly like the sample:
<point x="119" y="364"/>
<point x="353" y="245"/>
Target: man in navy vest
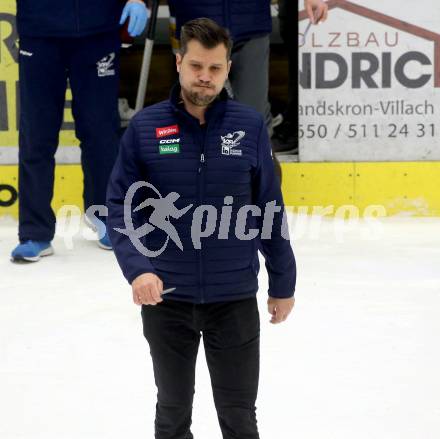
<point x="75" y="42"/>
<point x="192" y="199"/>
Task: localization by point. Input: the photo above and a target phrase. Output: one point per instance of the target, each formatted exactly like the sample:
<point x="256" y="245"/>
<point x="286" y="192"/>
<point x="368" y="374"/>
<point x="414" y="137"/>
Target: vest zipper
<point x="202" y="160"/>
<point x="201" y="195"/>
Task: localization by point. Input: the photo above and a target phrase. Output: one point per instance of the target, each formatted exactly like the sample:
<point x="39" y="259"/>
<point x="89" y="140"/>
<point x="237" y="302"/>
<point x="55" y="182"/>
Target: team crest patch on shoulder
<point x="231" y="141"/>
<point x="167" y="131"/>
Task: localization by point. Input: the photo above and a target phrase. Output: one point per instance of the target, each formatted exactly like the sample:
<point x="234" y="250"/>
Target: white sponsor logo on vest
<point x="162" y="142"/>
<point x="231" y="141"/>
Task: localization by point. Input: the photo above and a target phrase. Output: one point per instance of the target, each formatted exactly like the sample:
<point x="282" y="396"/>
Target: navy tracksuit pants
<point x="91" y="67"/>
<point x="231" y="338"/>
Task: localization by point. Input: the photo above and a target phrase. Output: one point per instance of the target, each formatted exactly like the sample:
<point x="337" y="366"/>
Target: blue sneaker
<point x="105" y="243"/>
<point x="101" y="229"/>
<point x="31" y="251"/>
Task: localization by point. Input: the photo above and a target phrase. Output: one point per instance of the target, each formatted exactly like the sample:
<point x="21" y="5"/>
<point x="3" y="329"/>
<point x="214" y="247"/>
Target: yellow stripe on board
<point x="68" y="187"/>
<point x="410" y="188"/>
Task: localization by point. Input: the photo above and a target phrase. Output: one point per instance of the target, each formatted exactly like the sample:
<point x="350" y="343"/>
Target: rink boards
<point x="402" y="188"/>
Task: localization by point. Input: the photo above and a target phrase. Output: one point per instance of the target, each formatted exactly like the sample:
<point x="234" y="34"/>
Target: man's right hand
<point x="147" y="289"/>
<point x="317" y="10"/>
<point x="138" y="13"/>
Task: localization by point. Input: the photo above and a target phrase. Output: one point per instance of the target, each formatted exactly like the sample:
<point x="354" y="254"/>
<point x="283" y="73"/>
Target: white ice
<point x="358" y="358"/>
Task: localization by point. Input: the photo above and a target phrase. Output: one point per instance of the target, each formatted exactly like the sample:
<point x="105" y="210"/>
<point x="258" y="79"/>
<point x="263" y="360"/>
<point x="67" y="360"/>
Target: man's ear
<point x="229" y="66"/>
<point x="178" y="61"/>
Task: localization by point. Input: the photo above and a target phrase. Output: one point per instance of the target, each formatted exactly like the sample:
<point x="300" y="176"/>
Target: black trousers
<point x="91" y="66"/>
<point x="231" y="338"/>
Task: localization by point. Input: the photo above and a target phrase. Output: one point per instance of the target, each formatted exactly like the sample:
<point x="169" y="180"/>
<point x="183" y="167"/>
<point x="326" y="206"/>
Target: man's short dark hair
<point x="207" y="32"/>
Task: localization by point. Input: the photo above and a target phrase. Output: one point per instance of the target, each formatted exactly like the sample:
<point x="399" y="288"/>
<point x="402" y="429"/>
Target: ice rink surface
<point x="358" y="358"/>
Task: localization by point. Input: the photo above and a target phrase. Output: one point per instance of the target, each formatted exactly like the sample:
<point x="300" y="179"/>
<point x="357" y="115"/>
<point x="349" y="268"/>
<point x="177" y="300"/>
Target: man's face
<point x="202" y="72"/>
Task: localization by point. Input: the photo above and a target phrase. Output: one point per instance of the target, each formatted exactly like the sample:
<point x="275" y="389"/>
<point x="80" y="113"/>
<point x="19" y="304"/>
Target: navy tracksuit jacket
<point x="166" y="147"/>
<point x="67" y="18"/>
<point x="62" y="42"/>
<point x="245" y="19"/>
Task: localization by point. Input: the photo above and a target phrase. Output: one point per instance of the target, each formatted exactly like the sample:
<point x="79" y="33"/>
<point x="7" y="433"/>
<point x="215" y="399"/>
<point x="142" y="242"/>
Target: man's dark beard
<point x="198" y="99"/>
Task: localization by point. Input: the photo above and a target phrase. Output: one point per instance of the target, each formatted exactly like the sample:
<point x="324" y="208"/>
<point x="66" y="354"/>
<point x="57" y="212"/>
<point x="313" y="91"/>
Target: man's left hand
<point x="138" y="13"/>
<point x="280" y="308"/>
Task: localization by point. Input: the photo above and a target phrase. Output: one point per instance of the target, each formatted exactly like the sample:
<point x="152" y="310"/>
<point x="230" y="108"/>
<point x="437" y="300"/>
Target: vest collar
<point x="216" y="108"/>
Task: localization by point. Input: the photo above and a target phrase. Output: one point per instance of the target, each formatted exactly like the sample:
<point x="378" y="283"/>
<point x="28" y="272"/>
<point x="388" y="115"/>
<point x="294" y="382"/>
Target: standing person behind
<point x="250" y="26"/>
<point x="212" y="151"/>
<point x="286" y="135"/>
<point x="77" y="42"/>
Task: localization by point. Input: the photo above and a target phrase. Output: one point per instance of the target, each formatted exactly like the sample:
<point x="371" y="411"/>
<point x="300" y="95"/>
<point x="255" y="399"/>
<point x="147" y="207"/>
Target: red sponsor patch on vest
<point x="167" y="131"/>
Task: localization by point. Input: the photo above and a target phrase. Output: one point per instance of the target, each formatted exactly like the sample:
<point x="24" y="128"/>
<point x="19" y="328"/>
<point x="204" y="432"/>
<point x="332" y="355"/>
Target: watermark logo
<point x="305" y="223"/>
<point x="163" y="209"/>
<point x="203" y="224"/>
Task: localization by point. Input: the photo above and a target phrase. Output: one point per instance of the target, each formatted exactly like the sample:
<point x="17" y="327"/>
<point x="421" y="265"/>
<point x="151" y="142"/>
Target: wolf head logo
<point x="104" y="65"/>
<point x="230" y="141"/>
